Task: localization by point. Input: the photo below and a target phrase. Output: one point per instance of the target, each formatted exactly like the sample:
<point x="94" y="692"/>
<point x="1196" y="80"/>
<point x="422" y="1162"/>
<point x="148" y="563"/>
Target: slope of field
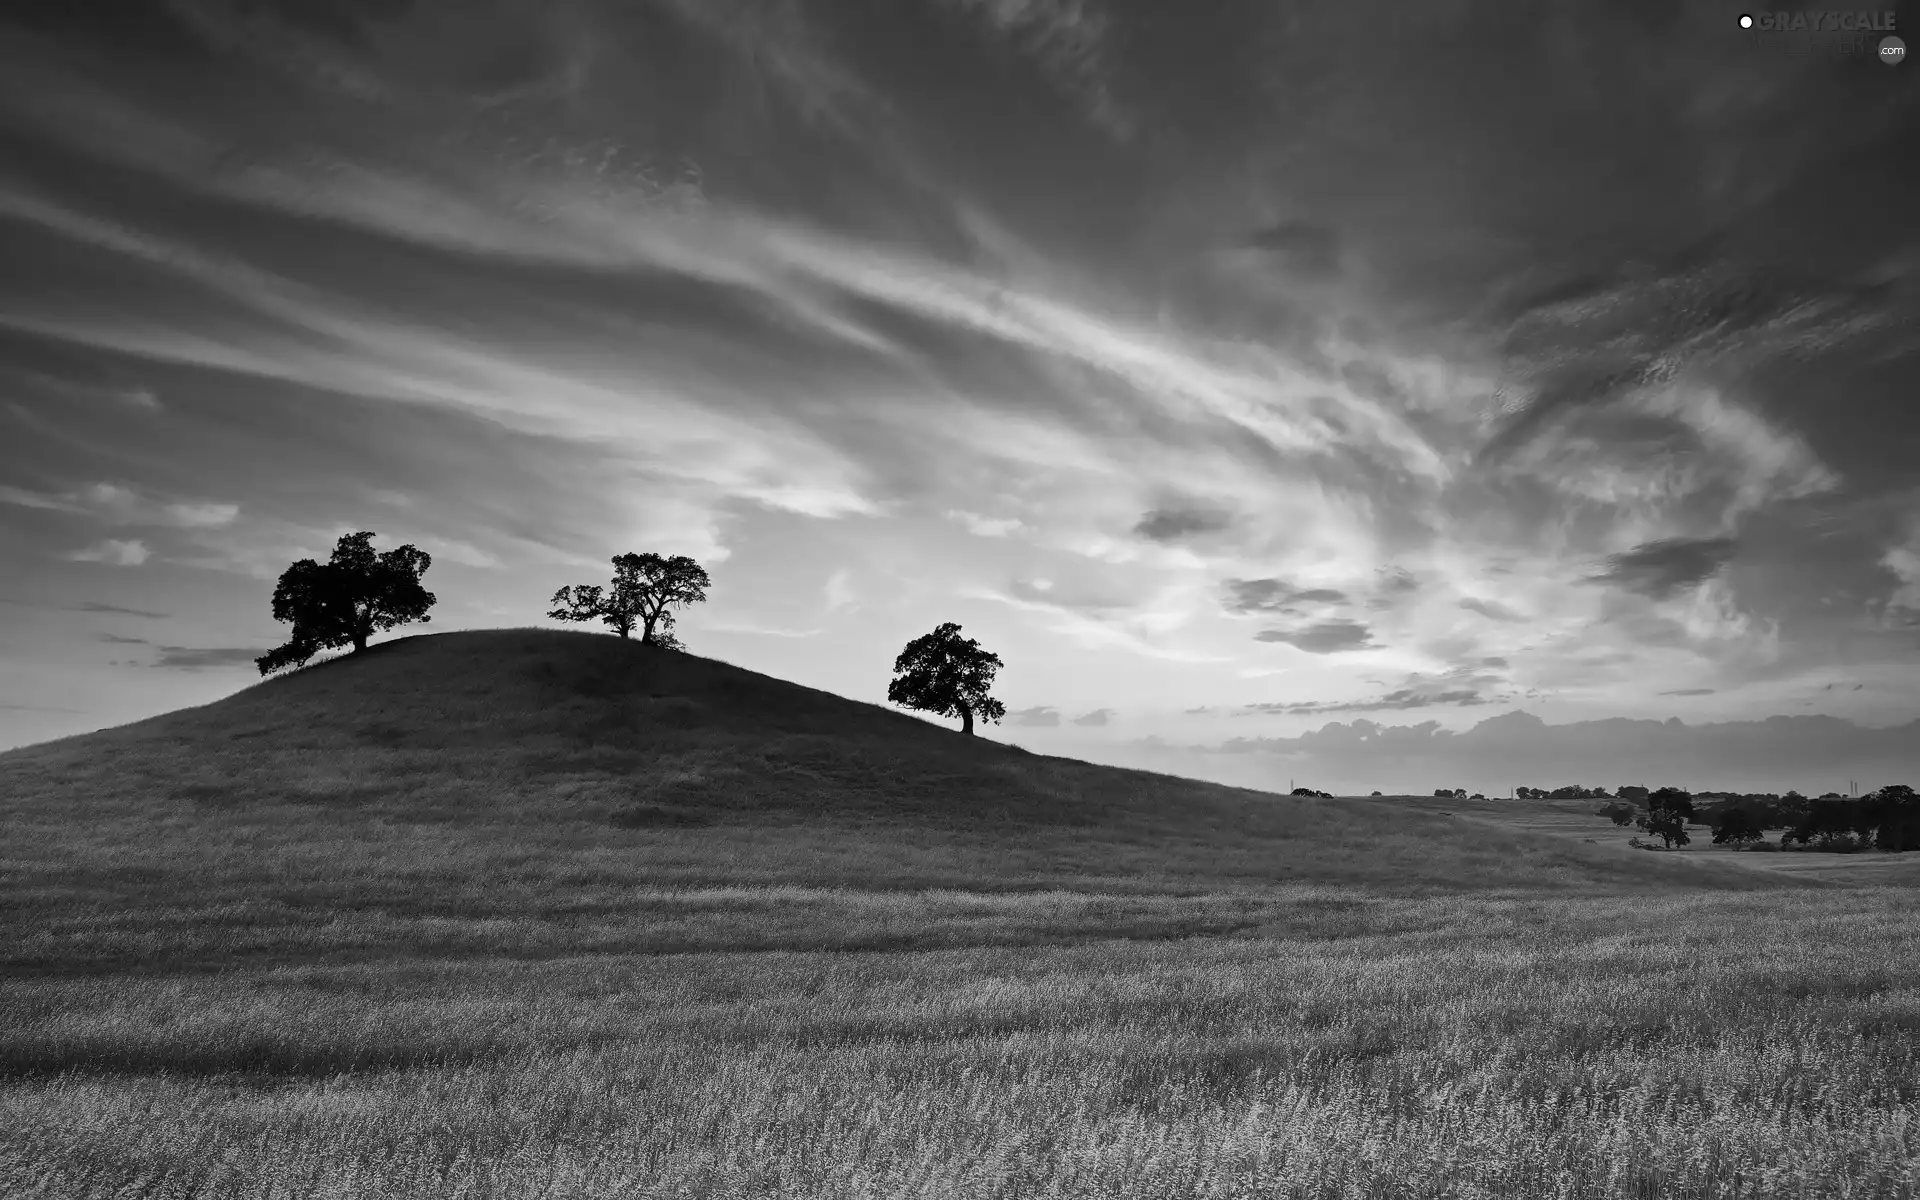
<point x="518" y="913"/>
<point x="536" y="785"/>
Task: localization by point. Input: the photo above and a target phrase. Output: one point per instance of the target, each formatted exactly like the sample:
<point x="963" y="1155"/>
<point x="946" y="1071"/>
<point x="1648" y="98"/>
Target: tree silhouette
<point x="1738" y="827"/>
<point x="347" y="599"/>
<point x="1896" y="811"/>
<point x="1618" y="813"/>
<point x="643" y="586"/>
<point x="1668" y="811"/>
<point x="945" y="674"/>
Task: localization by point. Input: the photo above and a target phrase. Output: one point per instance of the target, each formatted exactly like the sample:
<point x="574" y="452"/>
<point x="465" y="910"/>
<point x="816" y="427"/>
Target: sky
<point x="1257" y="380"/>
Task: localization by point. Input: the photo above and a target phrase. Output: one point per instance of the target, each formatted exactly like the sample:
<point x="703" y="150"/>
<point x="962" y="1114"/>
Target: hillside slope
<point x="527" y="775"/>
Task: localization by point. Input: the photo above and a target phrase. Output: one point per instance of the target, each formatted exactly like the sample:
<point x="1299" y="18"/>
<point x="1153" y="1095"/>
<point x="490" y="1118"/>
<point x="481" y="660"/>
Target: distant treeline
<point x="1887" y="819"/>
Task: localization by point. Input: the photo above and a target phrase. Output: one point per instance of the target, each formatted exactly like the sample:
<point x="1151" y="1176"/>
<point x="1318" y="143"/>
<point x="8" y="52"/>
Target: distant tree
<point x="945" y="674"/>
<point x="1376" y="793"/>
<point x="1896" y="816"/>
<point x="347" y="599"/>
<point x="1478" y="796"/>
<point x="1618" y="813"/>
<point x="644" y="586"/>
<point x="1843" y="824"/>
<point x="1631" y="792"/>
<point x="1668" y="811"/>
<point x="1738" y="827"/>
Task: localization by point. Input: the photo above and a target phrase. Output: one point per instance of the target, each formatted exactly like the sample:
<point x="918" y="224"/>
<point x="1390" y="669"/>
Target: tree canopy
<point x="1668" y="811"/>
<point x="347" y="599"/>
<point x="947" y="675"/>
<point x="644" y="587"/>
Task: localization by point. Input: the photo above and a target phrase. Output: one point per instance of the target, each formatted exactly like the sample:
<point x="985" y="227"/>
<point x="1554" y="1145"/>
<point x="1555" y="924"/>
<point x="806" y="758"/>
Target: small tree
<point x="644" y="585"/>
<point x="1631" y="792"/>
<point x="347" y="599"/>
<point x="1668" y="811"/>
<point x="945" y="674"/>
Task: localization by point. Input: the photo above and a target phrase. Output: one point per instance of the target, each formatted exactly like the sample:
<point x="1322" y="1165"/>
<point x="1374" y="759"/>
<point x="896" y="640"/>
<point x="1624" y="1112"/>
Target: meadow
<point x="262" y="950"/>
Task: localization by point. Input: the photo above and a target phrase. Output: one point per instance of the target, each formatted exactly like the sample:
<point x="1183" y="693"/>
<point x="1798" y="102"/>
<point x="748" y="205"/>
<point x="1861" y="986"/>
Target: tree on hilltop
<point x="947" y="675"/>
<point x="643" y="588"/>
<point x="347" y="599"/>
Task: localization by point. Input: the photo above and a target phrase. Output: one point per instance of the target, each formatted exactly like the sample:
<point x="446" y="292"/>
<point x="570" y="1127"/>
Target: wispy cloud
<point x="94" y="606"/>
<point x="123" y="505"/>
<point x="113" y="553"/>
<point x="838" y="592"/>
<point x="1038" y="716"/>
<point x="187" y="658"/>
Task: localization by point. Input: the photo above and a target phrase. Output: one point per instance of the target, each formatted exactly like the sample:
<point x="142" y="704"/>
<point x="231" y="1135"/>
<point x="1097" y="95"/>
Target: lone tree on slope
<point x="945" y="674"/>
<point x="643" y="586"/>
<point x="347" y="599"/>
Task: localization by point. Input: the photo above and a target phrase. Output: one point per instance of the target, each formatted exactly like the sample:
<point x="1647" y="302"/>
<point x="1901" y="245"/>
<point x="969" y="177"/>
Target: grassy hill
<point x="520" y="785"/>
<point x="534" y="913"/>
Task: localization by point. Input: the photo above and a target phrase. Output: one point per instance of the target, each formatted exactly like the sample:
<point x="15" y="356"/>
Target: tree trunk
<point x="359" y="641"/>
<point x="966" y="719"/>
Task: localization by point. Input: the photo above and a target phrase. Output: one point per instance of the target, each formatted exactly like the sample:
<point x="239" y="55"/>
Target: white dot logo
<point x="1893" y="51"/>
<point x="1746" y="22"/>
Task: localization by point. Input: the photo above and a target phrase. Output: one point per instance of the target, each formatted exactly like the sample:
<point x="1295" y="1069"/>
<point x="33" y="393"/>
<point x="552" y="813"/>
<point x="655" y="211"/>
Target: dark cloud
<point x="1201" y="710"/>
<point x="1097" y="717"/>
<point x="1039" y="715"/>
<point x="1491" y="609"/>
<point x="1689" y="692"/>
<point x="1328" y="637"/>
<point x="185" y="658"/>
<point x="1273" y="595"/>
<point x="1398" y="581"/>
<point x="96" y="607"/>
<point x="117" y="640"/>
<point x="1301" y="247"/>
<point x="1660" y="569"/>
<point x="1172" y="524"/>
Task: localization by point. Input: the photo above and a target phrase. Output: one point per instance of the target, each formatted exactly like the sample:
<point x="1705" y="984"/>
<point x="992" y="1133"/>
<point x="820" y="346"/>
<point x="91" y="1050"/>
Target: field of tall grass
<point x="1318" y="1043"/>
<point x="535" y="915"/>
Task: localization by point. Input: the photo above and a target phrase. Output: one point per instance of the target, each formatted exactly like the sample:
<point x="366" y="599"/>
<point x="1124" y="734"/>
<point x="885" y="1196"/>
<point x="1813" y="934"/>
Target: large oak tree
<point x="945" y="674"/>
<point x="347" y="599"/>
<point x="644" y="587"/>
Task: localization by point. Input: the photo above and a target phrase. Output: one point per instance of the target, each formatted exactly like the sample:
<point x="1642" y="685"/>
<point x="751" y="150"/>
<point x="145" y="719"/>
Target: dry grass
<point x="340" y="938"/>
<point x="1731" y="1045"/>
